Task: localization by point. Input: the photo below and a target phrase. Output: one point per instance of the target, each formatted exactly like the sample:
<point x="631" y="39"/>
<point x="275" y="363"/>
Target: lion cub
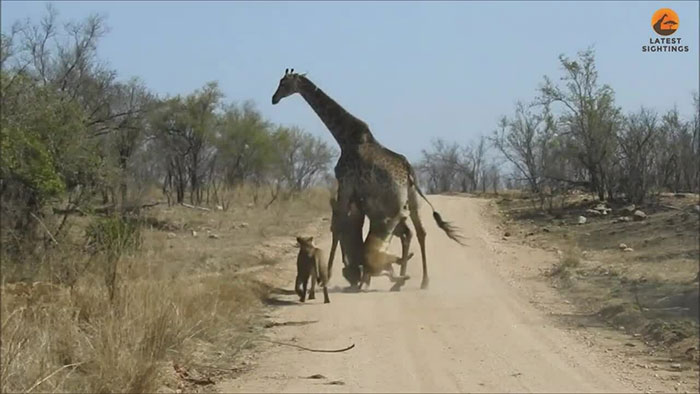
<point x="310" y="263"/>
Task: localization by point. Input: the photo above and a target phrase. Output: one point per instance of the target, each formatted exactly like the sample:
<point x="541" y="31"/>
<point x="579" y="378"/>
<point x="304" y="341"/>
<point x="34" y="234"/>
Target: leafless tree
<point x="638" y="141"/>
<point x="473" y="162"/>
<point x="442" y="166"/>
<point x="525" y="141"/>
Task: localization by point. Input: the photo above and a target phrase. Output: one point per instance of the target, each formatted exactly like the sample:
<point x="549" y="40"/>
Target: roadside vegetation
<point x="639" y="275"/>
<point x="613" y="191"/>
<point x="132" y="223"/>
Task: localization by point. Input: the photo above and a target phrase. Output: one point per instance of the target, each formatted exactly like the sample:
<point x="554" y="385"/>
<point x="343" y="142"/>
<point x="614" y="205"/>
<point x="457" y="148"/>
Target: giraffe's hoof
<point x="397" y="286"/>
<point x="352" y="275"/>
<point x="424" y="284"/>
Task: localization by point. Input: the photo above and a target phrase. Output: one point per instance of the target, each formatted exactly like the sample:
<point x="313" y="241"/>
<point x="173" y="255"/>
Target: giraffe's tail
<point x="449" y="229"/>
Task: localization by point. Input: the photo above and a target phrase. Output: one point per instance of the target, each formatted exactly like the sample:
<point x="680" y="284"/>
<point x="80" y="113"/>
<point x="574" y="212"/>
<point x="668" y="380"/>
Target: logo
<point x="664" y="21"/>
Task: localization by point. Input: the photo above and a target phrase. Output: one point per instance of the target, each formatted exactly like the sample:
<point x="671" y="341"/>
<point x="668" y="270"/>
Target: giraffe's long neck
<point x="346" y="128"/>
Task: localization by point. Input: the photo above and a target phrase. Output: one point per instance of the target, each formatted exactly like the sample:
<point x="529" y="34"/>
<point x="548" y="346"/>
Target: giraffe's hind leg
<point x="420" y="233"/>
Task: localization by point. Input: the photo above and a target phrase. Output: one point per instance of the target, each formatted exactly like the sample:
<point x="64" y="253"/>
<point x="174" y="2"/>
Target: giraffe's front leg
<point x="350" y="221"/>
<point x="335" y="232"/>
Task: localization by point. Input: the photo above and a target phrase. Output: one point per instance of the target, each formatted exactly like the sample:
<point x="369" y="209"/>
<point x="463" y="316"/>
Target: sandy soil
<point x="484" y="325"/>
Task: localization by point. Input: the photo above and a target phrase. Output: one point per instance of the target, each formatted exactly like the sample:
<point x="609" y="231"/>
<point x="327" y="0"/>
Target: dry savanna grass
<point x="569" y="259"/>
<point x="179" y="293"/>
<point x="640" y="276"/>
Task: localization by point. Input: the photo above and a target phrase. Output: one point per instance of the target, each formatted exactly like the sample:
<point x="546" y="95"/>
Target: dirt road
<point x="471" y="331"/>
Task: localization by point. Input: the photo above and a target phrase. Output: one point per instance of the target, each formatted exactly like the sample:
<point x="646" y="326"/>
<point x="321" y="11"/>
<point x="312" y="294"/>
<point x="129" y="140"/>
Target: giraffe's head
<point x="289" y="84"/>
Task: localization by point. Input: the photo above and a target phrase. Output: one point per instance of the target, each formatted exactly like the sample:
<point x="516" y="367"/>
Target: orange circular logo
<point x="665" y="21"/>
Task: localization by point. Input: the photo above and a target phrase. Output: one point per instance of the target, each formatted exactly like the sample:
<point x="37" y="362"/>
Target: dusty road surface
<point x="471" y="331"/>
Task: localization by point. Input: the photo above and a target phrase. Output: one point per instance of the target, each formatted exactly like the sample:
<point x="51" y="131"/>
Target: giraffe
<point x="379" y="180"/>
<point x="349" y="132"/>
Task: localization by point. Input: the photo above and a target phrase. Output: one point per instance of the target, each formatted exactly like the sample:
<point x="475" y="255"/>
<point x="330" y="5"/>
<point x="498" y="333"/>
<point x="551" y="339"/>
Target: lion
<point x="381" y="263"/>
<point x="310" y="262"/>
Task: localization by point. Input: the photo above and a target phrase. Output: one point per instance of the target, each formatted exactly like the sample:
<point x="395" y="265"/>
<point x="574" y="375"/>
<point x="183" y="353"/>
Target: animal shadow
<point x="350" y="289"/>
<point x="281" y="291"/>
<point x="275" y="301"/>
<point x="290" y="323"/>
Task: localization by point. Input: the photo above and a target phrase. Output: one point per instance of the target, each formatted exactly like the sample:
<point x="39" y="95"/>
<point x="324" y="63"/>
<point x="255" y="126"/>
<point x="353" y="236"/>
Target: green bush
<point x="114" y="236"/>
<point x="111" y="238"/>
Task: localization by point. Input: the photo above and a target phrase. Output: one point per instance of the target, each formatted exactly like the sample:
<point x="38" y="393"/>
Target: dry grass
<point x="569" y="259"/>
<point x="175" y="296"/>
<point x="650" y="291"/>
<point x="84" y="343"/>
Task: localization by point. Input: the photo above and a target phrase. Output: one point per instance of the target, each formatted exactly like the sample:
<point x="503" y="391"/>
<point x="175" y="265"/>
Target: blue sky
<point x="411" y="70"/>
